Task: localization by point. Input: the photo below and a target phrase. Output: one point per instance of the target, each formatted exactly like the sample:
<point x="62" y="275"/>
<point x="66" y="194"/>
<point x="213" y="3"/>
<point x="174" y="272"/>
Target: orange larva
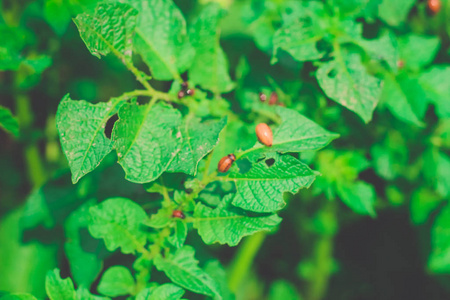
<point x="273" y="98"/>
<point x="225" y="163"/>
<point x="264" y="134"/>
<point x="434" y="6"/>
<point x="262" y="97"/>
<point x="190" y="92"/>
<point x="178" y="214"/>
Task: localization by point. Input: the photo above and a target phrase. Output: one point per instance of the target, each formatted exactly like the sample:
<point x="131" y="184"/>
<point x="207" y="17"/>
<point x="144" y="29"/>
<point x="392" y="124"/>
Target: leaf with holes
<point x="110" y="28"/>
<point x="198" y="140"/>
<point x="117" y="222"/>
<point x="210" y="66"/>
<point x="261" y="189"/>
<point x="161" y="38"/>
<point x="346" y="81"/>
<point x="226" y="224"/>
<point x="182" y="268"/>
<point x="81" y="127"/>
<point x="147" y="139"/>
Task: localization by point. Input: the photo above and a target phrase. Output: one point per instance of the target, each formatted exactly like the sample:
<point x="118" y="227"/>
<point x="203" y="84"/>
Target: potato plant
<point x="255" y="149"/>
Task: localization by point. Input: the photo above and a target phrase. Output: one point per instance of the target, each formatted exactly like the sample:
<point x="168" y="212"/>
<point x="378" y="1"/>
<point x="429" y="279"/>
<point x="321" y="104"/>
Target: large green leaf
<point x="298" y="39"/>
<point x="58" y="288"/>
<point x="146" y="139"/>
<point x="81" y="128"/>
<point x="261" y="189"/>
<point x="110" y="28"/>
<point x="439" y="260"/>
<point x="417" y="51"/>
<point x="228" y="225"/>
<point x="84" y="265"/>
<point x="395" y="12"/>
<point x="382" y="48"/>
<point x="296" y="133"/>
<point x="166" y="291"/>
<point x="198" y="140"/>
<point x="210" y="66"/>
<point x="8" y="121"/>
<point x="346" y="81"/>
<point x="117" y="222"/>
<point x="182" y="268"/>
<point x="116" y="281"/>
<point x="436" y="85"/>
<point x="161" y="38"/>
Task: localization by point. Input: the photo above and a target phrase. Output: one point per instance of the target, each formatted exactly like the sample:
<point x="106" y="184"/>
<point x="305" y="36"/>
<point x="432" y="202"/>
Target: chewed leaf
<point x="146" y="140"/>
<point x="198" y="140"/>
<point x="227" y="224"/>
<point x="81" y="128"/>
<point x="346" y="81"/>
<point x="109" y="29"/>
<point x="58" y="288"/>
<point x="261" y="189"/>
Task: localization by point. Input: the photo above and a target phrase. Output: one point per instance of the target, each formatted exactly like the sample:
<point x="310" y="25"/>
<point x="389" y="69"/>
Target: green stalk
<point x="243" y="260"/>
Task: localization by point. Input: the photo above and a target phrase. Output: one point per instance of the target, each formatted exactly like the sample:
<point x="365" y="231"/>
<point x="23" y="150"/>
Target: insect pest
<point x="264" y="134"/>
<point x="178" y="214"/>
<point x="226" y="162"/>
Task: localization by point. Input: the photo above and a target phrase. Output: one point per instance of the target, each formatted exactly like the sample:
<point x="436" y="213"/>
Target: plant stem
<point x="243" y="260"/>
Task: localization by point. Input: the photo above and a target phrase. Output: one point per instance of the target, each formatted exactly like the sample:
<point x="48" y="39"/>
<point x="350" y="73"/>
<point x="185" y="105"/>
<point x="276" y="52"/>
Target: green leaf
<point x="359" y="196"/>
<point x="58" y="288"/>
<point x="397" y="102"/>
<point x="423" y="203"/>
<point x="395" y="12"/>
<point x="8" y="121"/>
<point x="299" y="39"/>
<point x="109" y="29"/>
<point x="117" y="221"/>
<point x="18" y="297"/>
<point x="261" y="189"/>
<point x="13" y="41"/>
<point x="161" y="38"/>
<point x="84" y="294"/>
<point x="437" y="89"/>
<point x="146" y="139"/>
<point x="85" y="266"/>
<point x="296" y="133"/>
<point x="437" y="168"/>
<point x="182" y="268"/>
<point x="180" y="233"/>
<point x="346" y="81"/>
<point x="31" y="70"/>
<point x="282" y="289"/>
<point x="210" y="66"/>
<point x="166" y="291"/>
<point x="198" y="140"/>
<point x="417" y="51"/>
<point x="81" y="128"/>
<point x="57" y="15"/>
<point x="116" y="281"/>
<point x="228" y="225"/>
<point x="439" y="260"/>
<point x="217" y="272"/>
<point x="383" y="48"/>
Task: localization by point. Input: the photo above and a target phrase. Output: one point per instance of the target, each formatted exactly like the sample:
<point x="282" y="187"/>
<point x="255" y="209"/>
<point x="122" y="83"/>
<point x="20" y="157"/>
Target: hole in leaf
<point x="332" y="73"/>
<point x="109" y="125"/>
<point x="269" y="162"/>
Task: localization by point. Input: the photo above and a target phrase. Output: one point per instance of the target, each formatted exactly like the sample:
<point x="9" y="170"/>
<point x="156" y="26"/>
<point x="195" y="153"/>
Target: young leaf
<point x="437" y="89"/>
<point x="439" y="260"/>
<point x="109" y="29"/>
<point x="117" y="221"/>
<point x="85" y="266"/>
<point x="180" y="233"/>
<point x="210" y="66"/>
<point x="182" y="268"/>
<point x="395" y="12"/>
<point x="146" y="139"/>
<point x="295" y="134"/>
<point x="81" y="128"/>
<point x="84" y="294"/>
<point x="116" y="281"/>
<point x="359" y="196"/>
<point x="417" y="51"/>
<point x="8" y="121"/>
<point x="227" y="224"/>
<point x="198" y="140"/>
<point x="18" y="297"/>
<point x="346" y="81"/>
<point x="166" y="291"/>
<point x="161" y="38"/>
<point x="261" y="189"/>
<point x="298" y="39"/>
<point x="58" y="288"/>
